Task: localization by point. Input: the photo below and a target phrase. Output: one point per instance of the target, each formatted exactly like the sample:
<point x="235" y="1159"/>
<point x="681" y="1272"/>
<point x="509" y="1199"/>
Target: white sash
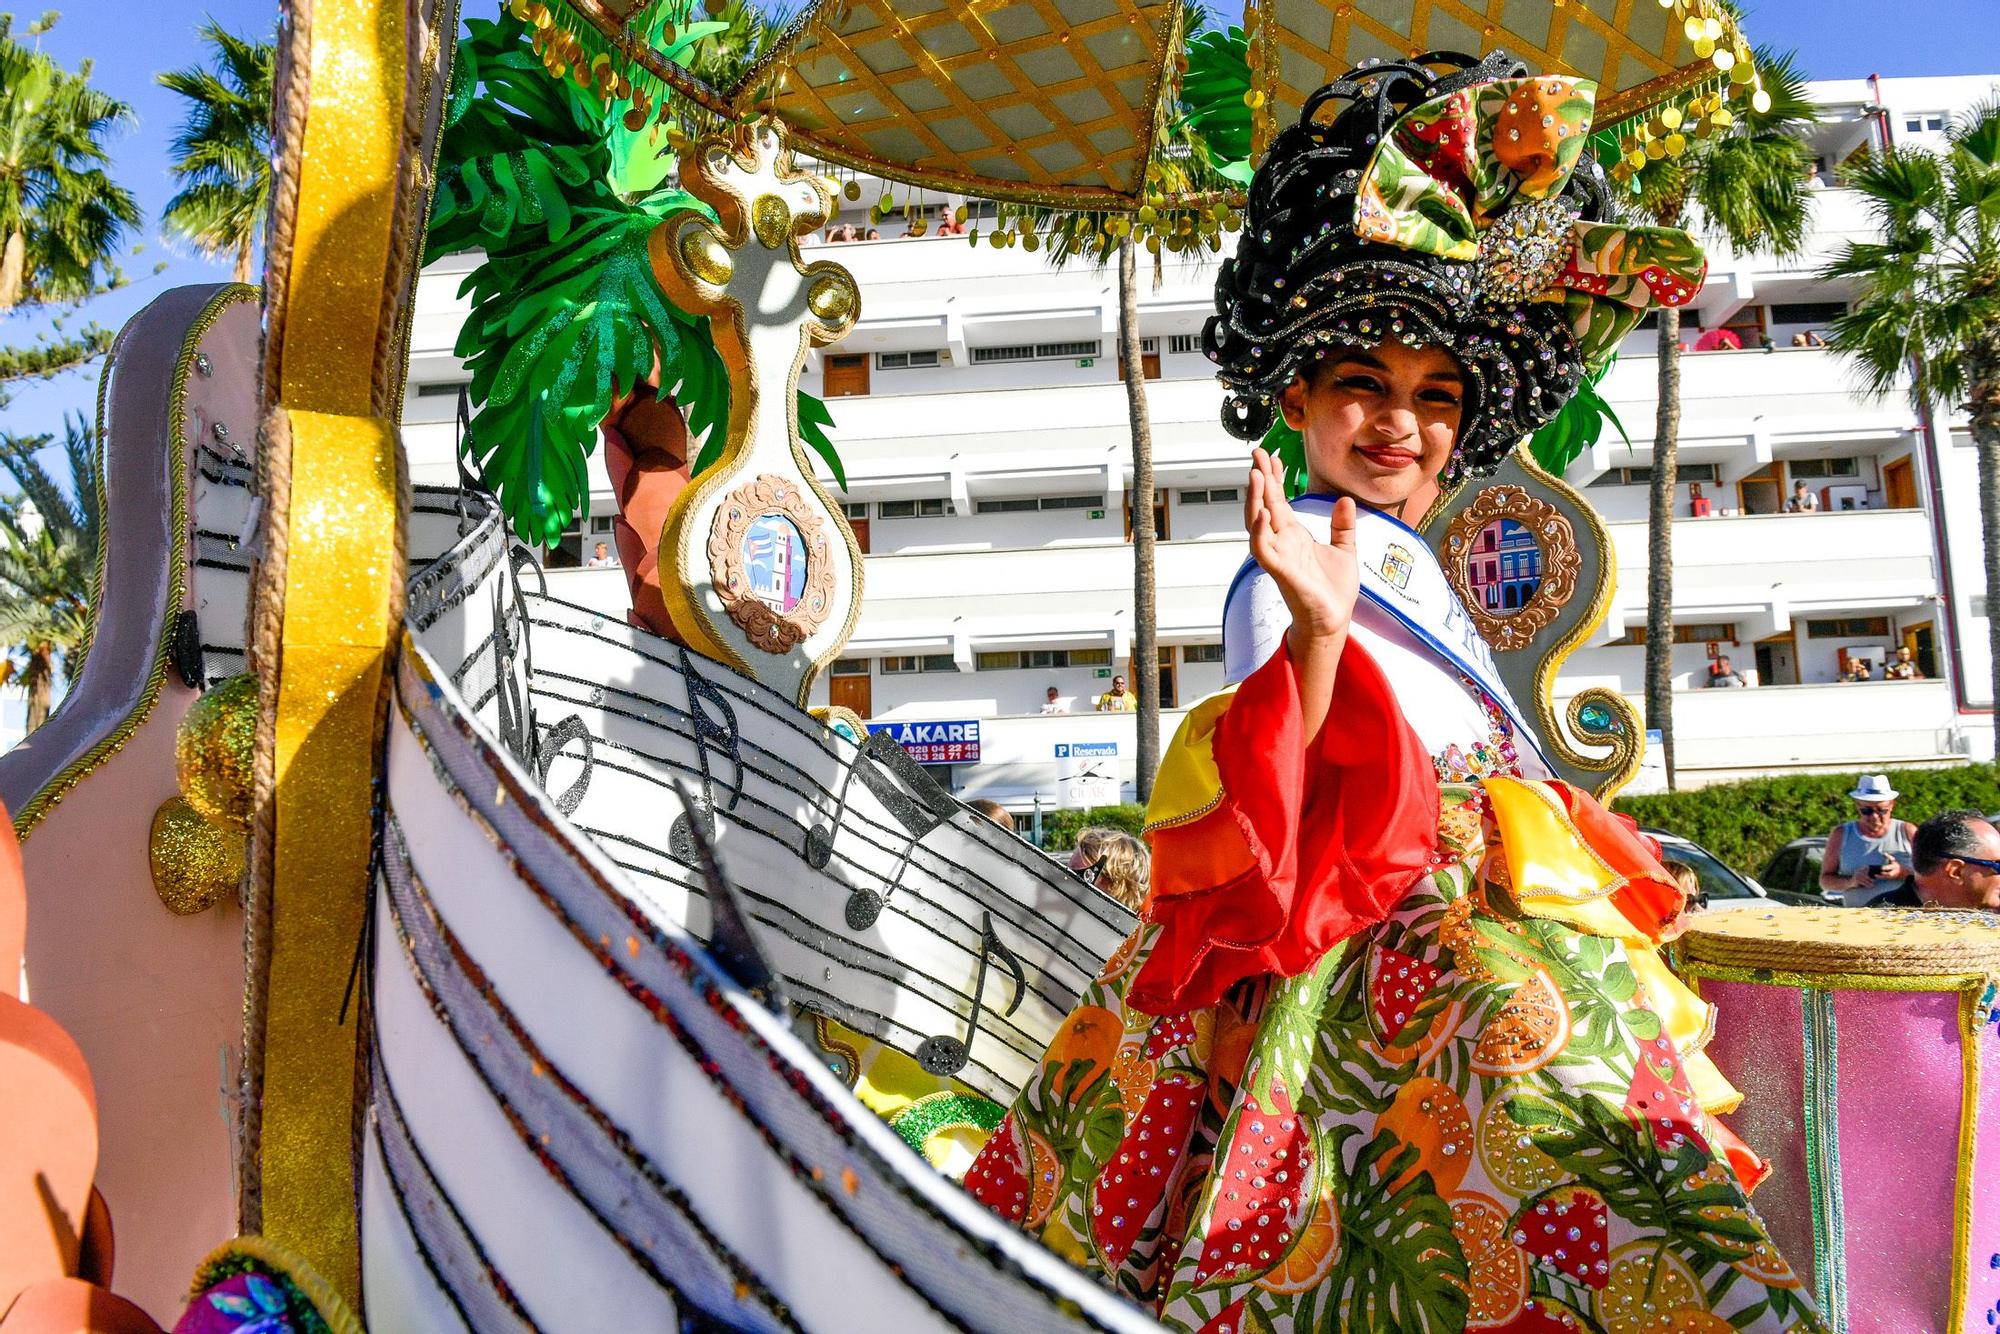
<point x="1400" y="577"/>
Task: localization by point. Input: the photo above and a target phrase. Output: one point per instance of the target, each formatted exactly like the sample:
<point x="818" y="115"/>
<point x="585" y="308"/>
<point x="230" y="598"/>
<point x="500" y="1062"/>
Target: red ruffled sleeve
<point x="1294" y="849"/>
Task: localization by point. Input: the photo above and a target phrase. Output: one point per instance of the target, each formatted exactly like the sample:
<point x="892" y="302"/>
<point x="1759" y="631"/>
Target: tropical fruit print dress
<point x="1465" y="1117"/>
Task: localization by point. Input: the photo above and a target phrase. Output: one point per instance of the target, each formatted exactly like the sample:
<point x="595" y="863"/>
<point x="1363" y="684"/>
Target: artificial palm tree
<point x="1744" y="177"/>
<point x="1929" y="295"/>
<point x="222" y="153"/>
<point x="61" y="216"/>
<point x="48" y="555"/>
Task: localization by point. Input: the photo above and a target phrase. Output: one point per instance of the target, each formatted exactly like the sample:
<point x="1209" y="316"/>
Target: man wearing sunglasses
<point x="1958" y="861"/>
<point x="1868" y="857"/>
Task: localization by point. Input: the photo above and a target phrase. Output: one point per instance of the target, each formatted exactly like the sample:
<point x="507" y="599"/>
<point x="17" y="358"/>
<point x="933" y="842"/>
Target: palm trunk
<point x="41" y="673"/>
<point x="246" y="250"/>
<point x="13" y="270"/>
<point x="1660" y="541"/>
<point x="1145" y="641"/>
<point x="1986" y="439"/>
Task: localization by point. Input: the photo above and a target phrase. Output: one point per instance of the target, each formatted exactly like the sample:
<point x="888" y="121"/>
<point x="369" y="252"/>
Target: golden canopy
<point x="1056" y="101"/>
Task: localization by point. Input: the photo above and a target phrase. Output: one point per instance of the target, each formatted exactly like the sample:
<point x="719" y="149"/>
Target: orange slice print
<point x="1529" y="1031"/>
<point x="1498" y="1280"/>
<point x="1428" y="1114"/>
<point x="1311" y="1256"/>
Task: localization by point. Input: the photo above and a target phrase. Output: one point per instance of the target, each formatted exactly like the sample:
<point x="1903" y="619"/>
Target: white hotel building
<point x="980" y="417"/>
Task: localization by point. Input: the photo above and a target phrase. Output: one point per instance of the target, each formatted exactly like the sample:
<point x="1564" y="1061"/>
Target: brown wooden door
<point x="1148" y="361"/>
<point x="860" y="528"/>
<point x="853" y="692"/>
<point x="1761" y="492"/>
<point x="1899" y="485"/>
<point x="846" y="374"/>
<point x="1159" y="515"/>
<point x="1169" y="687"/>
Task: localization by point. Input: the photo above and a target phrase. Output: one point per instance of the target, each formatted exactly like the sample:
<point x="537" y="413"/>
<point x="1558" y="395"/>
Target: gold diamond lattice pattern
<point x="1640" y="52"/>
<point x="1038" y="100"/>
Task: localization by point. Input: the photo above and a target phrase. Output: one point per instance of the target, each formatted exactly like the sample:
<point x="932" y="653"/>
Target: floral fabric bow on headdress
<point x="1479" y="175"/>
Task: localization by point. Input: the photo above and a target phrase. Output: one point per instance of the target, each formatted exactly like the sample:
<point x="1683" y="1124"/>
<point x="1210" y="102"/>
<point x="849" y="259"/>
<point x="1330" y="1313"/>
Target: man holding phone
<point x="1868" y="859"/>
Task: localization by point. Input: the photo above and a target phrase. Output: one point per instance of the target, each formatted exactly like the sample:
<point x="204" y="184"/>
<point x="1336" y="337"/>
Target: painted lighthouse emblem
<point x="769" y="558"/>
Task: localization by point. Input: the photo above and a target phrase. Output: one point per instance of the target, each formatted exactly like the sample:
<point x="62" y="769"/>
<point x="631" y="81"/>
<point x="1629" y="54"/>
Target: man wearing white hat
<point x="1868" y="859"/>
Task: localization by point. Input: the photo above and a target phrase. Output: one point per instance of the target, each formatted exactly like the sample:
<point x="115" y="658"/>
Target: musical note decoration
<point x="715" y="731"/>
<point x="731" y="941"/>
<point x="913" y="799"/>
<point x="550" y="749"/>
<point x="759" y="568"/>
<point x="947" y="1055"/>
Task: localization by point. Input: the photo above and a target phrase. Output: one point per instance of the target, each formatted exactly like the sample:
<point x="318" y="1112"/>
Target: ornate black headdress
<point x="1458" y="209"/>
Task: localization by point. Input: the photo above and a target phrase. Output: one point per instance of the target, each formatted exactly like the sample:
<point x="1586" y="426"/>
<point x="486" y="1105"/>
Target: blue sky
<point x="131" y="43"/>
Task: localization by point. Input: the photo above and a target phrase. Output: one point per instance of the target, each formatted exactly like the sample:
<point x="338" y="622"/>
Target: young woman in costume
<point x="1393" y="1049"/>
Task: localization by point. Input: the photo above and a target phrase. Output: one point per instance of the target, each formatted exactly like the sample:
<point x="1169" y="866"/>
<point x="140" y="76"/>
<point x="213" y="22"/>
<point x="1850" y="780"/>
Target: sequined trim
<point x="1822" y="1136"/>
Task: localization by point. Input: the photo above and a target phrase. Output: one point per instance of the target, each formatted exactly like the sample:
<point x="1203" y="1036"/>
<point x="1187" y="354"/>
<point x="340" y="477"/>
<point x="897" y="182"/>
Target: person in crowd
<point x="1859" y="669"/>
<point x="1904" y="668"/>
<point x="1117" y="699"/>
<point x="1114" y="862"/>
<point x="948" y="223"/>
<point x="601" y="558"/>
<point x="1813" y="338"/>
<point x="1719" y="340"/>
<point x="1868" y="858"/>
<point x="1054" y="703"/>
<point x="1698" y="504"/>
<point x="1721" y="673"/>
<point x="1689" y="882"/>
<point x="1799" y="340"/>
<point x="874" y="233"/>
<point x="995" y="812"/>
<point x="1957" y="855"/>
<point x="1804" y="500"/>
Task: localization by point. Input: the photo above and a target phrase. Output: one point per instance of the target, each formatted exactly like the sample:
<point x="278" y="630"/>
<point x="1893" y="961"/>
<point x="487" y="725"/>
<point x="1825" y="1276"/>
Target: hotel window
<point x="1201" y="653"/>
<point x="912" y="509"/>
<point x="1696" y="632"/>
<point x="448" y="388"/>
<point x="1849" y="627"/>
<point x="898" y="361"/>
<point x="1685" y="473"/>
<point x="1214" y="495"/>
<point x="1823" y="467"/>
<point x="1035" y="352"/>
<point x="854" y="509"/>
<point x="1183" y="343"/>
<point x="1924" y="122"/>
<point x="850" y="666"/>
<point x="910" y="664"/>
<point x="1041" y="659"/>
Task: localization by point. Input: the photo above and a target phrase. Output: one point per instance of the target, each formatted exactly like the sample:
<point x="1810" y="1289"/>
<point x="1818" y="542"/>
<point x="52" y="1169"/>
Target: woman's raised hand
<point x="1319" y="580"/>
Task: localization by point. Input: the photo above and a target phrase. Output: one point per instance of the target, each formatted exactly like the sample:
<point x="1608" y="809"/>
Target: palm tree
<point x="222" y="154"/>
<point x="1929" y="295"/>
<point x="61" y="216"/>
<point x="48" y="556"/>
<point x="1746" y="178"/>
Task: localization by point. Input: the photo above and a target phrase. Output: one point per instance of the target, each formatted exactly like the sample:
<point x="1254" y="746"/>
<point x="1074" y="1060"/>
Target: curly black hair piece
<point x="1302" y="283"/>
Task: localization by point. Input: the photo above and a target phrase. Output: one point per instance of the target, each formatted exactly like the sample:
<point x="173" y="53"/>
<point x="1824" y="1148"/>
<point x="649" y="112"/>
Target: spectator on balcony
<point x="1698" y="504"/>
<point x="874" y="233"/>
<point x="1720" y="673"/>
<point x="1719" y="340"/>
<point x="1859" y="669"/>
<point x="1054" y="703"/>
<point x="1957" y="857"/>
<point x="1868" y="859"/>
<point x="1117" y="699"/>
<point x="1804" y="500"/>
<point x="1115" y="862"/>
<point x="1904" y="668"/>
<point x="948" y="223"/>
<point x="601" y="559"/>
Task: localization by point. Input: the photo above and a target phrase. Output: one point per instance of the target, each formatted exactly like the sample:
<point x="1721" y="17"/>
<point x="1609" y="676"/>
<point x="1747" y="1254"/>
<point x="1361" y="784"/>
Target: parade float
<point x="447" y="955"/>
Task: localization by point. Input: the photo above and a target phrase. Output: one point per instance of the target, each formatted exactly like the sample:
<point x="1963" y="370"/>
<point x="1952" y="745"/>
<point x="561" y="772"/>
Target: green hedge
<point x="1060" y="828"/>
<point x="1744" y="823"/>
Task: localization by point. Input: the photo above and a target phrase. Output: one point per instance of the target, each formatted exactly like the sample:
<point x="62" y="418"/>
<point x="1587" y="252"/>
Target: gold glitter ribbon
<point x="338" y="585"/>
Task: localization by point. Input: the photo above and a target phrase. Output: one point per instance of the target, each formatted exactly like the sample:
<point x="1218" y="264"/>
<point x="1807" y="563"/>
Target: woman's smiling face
<point x="1379" y="423"/>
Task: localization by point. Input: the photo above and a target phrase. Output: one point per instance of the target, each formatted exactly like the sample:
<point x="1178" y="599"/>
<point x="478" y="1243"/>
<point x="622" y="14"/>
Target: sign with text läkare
<point x="955" y="742"/>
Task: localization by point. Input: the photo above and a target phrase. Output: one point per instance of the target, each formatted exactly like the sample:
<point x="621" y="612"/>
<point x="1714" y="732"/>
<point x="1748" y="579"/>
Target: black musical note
<point x="517" y="712"/>
<point x="731" y="942"/>
<point x="719" y="731"/>
<point x="568" y="730"/>
<point x="946" y="1055"/>
<point x="912" y="797"/>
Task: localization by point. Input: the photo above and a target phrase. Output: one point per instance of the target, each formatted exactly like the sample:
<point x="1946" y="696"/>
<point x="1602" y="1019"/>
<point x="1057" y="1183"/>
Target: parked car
<point x="1792" y="874"/>
<point x="1722" y="887"/>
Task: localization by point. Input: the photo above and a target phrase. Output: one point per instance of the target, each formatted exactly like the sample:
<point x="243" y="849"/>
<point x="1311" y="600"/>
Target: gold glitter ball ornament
<point x="212" y="751"/>
<point x="196" y="862"/>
